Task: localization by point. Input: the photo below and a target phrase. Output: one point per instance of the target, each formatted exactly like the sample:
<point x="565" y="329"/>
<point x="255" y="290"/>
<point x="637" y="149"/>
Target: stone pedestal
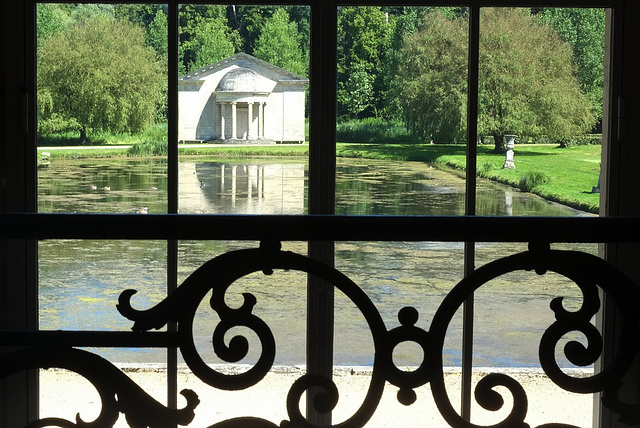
<point x="510" y="143"/>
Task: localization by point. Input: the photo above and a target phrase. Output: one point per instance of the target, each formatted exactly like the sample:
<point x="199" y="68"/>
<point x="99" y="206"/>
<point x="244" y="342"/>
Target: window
<point x="324" y="192"/>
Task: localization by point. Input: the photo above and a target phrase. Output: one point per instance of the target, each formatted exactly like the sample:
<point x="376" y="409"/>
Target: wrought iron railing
<point x="119" y="394"/>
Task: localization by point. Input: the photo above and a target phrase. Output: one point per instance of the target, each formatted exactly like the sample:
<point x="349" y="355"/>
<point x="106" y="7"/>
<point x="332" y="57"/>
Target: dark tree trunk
<point x="499" y="143"/>
<point x="83" y="136"/>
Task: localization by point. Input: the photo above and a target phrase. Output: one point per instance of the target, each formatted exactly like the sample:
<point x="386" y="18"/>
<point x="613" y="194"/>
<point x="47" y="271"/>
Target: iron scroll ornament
<point x="118" y="393"/>
<point x="216" y="276"/>
<point x="587" y="271"/>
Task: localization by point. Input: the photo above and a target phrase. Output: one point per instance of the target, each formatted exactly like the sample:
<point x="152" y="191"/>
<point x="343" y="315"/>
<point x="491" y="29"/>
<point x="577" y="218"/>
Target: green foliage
<point x="356" y="94"/>
<point x="50" y="19"/>
<point x="527" y="80"/>
<point x="432" y="79"/>
<point x="581" y="140"/>
<point x="149" y="148"/>
<point x="192" y="21"/>
<point x="372" y="130"/>
<point x="212" y="42"/>
<point x="584" y="30"/>
<point x="527" y="84"/>
<point x="531" y="180"/>
<point x="279" y="44"/>
<point x="139" y="14"/>
<point x="156" y="35"/>
<point x="364" y="36"/>
<point x="83" y="12"/>
<point x="99" y="75"/>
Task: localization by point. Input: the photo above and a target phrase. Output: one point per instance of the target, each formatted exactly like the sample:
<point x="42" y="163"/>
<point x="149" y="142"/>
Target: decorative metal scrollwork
<point x="118" y="393"/>
<point x="589" y="273"/>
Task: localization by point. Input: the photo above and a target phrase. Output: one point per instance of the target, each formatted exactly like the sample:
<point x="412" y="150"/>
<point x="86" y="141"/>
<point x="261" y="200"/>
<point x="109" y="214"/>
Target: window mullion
<point x="470" y="203"/>
<point x="172" y="178"/>
<point x="322" y="165"/>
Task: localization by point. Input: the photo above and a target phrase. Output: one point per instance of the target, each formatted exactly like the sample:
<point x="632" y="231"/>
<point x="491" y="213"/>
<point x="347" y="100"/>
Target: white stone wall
<point x="199" y="110"/>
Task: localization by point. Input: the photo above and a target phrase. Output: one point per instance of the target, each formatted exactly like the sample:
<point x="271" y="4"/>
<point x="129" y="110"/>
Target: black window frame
<point x="322" y="114"/>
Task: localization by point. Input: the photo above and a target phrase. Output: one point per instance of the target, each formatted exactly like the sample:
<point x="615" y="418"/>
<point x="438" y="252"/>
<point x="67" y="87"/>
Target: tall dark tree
<point x="279" y="44"/>
<point x="249" y="21"/>
<point x="364" y="35"/>
<point x="192" y="18"/>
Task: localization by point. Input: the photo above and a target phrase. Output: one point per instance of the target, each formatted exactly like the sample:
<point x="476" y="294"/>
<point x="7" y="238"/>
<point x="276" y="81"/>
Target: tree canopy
<point x="584" y="30"/>
<point x="395" y="62"/>
<point x="527" y="82"/>
<point x="279" y="44"/>
<point x="364" y="36"/>
<point x="98" y="76"/>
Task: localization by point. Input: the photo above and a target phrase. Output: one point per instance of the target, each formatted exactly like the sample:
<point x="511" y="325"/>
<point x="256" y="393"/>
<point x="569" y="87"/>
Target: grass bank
<point x="73" y="152"/>
<point x="564" y="175"/>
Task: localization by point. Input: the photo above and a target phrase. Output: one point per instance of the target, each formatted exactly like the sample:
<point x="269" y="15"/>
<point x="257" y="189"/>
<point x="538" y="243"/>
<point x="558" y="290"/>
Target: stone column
<point x="250" y="121"/>
<point x="261" y="120"/>
<point x="222" y="113"/>
<point x="233" y="121"/>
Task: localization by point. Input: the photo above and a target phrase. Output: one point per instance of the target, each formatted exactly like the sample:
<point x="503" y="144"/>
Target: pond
<point x="79" y="281"/>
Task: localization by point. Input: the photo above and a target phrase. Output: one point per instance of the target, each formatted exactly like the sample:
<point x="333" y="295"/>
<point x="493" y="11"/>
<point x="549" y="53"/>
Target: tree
<point x="364" y="36"/>
<point x="584" y="30"/>
<point x="50" y="19"/>
<point x="249" y="21"/>
<point x="99" y="76"/>
<point x="157" y="35"/>
<point x="432" y="79"/>
<point x="357" y="92"/>
<point x="212" y="41"/>
<point x="527" y="83"/>
<point x="191" y="22"/>
<point x="279" y="44"/>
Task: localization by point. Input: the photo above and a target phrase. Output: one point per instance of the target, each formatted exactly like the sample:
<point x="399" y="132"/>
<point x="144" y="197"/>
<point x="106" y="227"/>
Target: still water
<point x="80" y="280"/>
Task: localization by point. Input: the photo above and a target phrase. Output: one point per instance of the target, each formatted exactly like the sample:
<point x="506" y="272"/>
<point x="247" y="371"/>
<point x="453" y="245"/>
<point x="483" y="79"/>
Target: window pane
<point x="386" y="106"/>
<point x="540" y="131"/>
<point x="540" y="95"/>
<point x="402" y="88"/>
<point x="102" y="144"/>
<point x="243" y="149"/>
<point x="242" y="102"/>
<point x="101" y="76"/>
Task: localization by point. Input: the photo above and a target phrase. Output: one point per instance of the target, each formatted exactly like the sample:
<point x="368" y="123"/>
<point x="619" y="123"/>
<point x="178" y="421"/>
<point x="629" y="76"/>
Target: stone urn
<point x="510" y="142"/>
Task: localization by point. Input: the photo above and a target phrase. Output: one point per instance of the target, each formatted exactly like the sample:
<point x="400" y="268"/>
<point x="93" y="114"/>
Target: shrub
<point x="372" y="130"/>
<point x="149" y="148"/>
<point x="581" y="140"/>
<point x="485" y="167"/>
<point x="532" y="179"/>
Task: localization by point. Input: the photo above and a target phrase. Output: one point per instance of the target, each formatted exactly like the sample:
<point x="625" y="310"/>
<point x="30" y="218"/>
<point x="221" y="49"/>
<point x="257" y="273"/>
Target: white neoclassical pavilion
<point x="241" y="99"/>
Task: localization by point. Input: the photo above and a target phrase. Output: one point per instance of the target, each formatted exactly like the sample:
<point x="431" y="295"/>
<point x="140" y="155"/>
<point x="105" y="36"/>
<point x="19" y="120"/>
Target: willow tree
<point x="98" y="75"/>
<point x="432" y="79"/>
<point x="527" y="81"/>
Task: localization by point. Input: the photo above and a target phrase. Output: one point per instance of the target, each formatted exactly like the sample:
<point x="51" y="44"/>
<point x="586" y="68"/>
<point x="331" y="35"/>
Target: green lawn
<point x="565" y="175"/>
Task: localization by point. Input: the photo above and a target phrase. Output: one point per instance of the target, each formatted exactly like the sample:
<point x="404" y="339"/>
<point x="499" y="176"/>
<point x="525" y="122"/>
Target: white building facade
<point x="242" y="99"/>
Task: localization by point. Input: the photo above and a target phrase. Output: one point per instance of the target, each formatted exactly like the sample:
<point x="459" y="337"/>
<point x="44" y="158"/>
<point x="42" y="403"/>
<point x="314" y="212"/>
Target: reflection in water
<point x="223" y="188"/>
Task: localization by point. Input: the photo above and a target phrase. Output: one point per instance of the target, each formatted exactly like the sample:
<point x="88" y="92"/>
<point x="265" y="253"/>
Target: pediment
<point x="245" y="61"/>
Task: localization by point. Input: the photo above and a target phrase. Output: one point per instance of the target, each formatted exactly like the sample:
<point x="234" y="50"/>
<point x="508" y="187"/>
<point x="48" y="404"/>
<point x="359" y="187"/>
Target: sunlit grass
<point x="569" y="174"/>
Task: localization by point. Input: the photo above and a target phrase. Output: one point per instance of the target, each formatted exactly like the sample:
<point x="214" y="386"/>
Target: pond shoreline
<point x="442" y="156"/>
